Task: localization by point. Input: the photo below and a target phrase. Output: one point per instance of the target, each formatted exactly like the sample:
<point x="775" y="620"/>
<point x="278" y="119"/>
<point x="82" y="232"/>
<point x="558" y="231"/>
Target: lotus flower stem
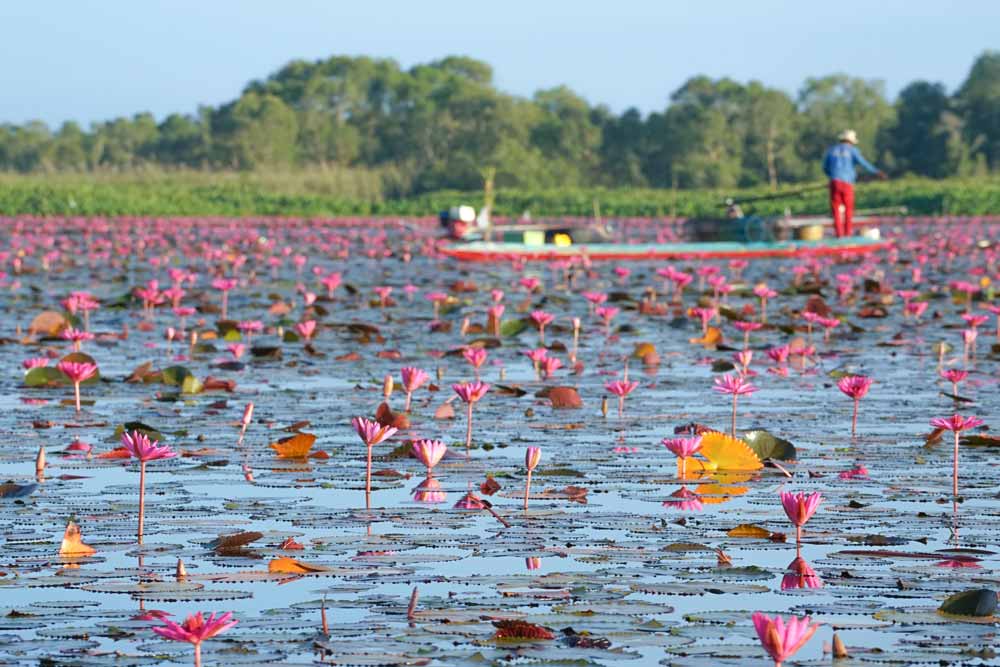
<point x="527" y="490"/>
<point x="142" y="512"/>
<point x="854" y="419"/>
<point x="368" y="480"/>
<point x="732" y="429"/>
<point x="954" y="468"/>
<point x="409" y="396"/>
<point x="468" y="428"/>
<point x="76" y="395"/>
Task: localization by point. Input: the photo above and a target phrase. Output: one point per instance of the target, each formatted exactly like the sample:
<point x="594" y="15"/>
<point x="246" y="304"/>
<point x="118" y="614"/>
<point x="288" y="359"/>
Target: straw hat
<point x="849" y="136"/>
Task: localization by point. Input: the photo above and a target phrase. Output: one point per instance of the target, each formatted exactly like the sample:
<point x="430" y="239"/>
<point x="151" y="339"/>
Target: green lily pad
<point x="977" y="602"/>
<point x="769" y="446"/>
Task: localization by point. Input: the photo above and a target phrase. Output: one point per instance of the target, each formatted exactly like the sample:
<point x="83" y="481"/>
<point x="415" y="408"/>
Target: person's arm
<point x="860" y="159"/>
<point x="827" y="164"/>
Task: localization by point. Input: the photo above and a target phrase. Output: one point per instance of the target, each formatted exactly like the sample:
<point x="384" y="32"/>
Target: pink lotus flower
<point x="236" y="349"/>
<point x="550" y="365"/>
<point x="595" y="298"/>
<point x="224" y="285"/>
<point x="541" y="319"/>
<point x="34" y="362"/>
<point x="331" y="282"/>
<point x="799" y="508"/>
<point x="736" y="386"/>
<point x="954" y="376"/>
<point x="621" y="389"/>
<point x="706" y="315"/>
<point x="683" y="449"/>
<point x="956" y="424"/>
<point x="855" y="387"/>
<point x="779" y="354"/>
<point x="383" y="294"/>
<point x="413" y="379"/>
<point x="476" y="356"/>
<point x="76" y="337"/>
<point x="606" y="313"/>
<point x="436" y="298"/>
<point x="764" y="293"/>
<point x="306" y="329"/>
<point x="916" y="308"/>
<point x="195" y="630"/>
<point x="139" y="446"/>
<point x="470" y="393"/>
<point x="496" y="295"/>
<point x="532" y="456"/>
<point x="537" y="356"/>
<point x="371" y="433"/>
<point x="781" y="640"/>
<point x="529" y="284"/>
<point x="77" y="372"/>
<point x="429" y="452"/>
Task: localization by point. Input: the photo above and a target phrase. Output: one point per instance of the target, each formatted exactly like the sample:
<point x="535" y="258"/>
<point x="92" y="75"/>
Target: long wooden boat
<point x="485" y="251"/>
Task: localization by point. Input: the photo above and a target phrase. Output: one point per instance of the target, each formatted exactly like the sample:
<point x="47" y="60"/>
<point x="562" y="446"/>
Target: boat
<point x="491" y="251"/>
<point x="736" y="236"/>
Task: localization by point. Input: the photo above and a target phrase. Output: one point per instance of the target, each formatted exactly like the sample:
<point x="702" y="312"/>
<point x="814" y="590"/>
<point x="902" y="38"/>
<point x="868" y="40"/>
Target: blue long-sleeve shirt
<point x="840" y="161"/>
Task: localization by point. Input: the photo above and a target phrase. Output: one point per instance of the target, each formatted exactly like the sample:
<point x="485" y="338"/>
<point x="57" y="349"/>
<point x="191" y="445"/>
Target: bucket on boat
<point x="873" y="233"/>
<point x="810" y="233"/>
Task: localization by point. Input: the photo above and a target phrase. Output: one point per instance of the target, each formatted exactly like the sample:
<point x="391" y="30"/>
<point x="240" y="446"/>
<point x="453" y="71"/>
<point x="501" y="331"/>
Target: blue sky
<point x="89" y="60"/>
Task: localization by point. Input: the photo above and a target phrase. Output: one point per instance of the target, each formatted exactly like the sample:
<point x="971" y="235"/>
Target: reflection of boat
<point x="483" y="251"/>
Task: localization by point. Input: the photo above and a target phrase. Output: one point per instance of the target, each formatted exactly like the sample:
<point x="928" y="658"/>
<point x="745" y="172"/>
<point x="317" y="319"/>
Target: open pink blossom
<point x="956" y="424"/>
<point x="782" y="640"/>
<point x="196" y="629"/>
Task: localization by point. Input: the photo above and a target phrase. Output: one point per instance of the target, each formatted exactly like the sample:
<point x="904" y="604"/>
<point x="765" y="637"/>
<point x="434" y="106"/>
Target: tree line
<point x="439" y="125"/>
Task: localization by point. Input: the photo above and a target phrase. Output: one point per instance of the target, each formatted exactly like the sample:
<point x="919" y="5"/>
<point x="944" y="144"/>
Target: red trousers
<point x="842" y="207"/>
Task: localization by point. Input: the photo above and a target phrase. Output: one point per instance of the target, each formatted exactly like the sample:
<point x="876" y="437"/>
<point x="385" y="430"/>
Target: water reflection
<point x="799" y="574"/>
<point x="429" y="491"/>
<point x="685" y="500"/>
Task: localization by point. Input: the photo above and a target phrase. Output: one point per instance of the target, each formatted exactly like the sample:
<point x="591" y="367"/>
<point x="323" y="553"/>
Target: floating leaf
<point x="749" y="530"/>
<point x="72" y="543"/>
<point x="512" y="630"/>
<point x="726" y="453"/>
<point x="294" y="446"/>
<point x="512" y="327"/>
<point x="14" y="490"/>
<point x="176" y="375"/>
<point x="287" y="565"/>
<point x="978" y="602"/>
<point x="45" y="376"/>
<point x="768" y="446"/>
<point x="48" y="323"/>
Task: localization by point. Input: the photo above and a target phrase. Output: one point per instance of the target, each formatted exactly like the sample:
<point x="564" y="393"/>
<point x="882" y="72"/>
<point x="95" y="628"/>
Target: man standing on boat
<point x="839" y="166"/>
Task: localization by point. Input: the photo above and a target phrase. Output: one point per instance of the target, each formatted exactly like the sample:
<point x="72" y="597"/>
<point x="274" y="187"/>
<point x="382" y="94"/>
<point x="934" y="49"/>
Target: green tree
<point x="979" y="101"/>
<point x="255" y="131"/>
<point x="831" y="104"/>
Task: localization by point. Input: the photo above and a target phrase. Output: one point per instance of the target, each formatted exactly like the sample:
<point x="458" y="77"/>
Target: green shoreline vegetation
<point x="326" y="193"/>
<point x="364" y="136"/>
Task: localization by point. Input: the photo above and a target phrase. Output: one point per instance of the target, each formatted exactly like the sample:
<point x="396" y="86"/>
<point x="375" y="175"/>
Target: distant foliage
<point x="437" y="125"/>
<point x="346" y="192"/>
